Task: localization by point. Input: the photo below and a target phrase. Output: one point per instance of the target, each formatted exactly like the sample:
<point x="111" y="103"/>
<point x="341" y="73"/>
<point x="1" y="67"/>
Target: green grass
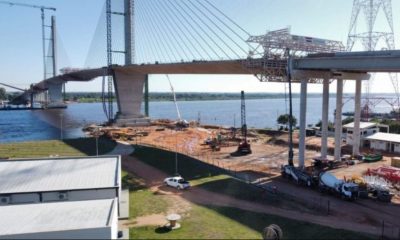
<point x="142" y="201"/>
<point x="207" y="222"/>
<point x="68" y="147"/>
<point x="203" y="223"/>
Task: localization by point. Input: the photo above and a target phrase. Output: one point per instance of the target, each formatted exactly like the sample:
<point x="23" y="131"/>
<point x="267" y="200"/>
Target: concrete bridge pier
<point x="357" y="119"/>
<point x="325" y="118"/>
<point x="338" y="119"/>
<point x="55" y="95"/>
<point x="129" y="91"/>
<point x="303" y="115"/>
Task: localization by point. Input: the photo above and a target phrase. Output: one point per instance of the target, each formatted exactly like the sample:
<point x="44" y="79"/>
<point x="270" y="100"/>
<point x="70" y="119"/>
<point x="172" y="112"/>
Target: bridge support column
<point x="55" y="95"/>
<point x="325" y="118"/>
<point x="303" y="114"/>
<point x="338" y="119"/>
<point x="129" y="90"/>
<point x="357" y="119"/>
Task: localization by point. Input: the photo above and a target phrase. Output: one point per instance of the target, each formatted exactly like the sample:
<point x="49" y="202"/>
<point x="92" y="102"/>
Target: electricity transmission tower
<point x="370" y="9"/>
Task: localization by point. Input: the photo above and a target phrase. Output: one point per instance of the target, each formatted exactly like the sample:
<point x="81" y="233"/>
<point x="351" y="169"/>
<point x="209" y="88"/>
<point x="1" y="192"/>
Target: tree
<point x="284" y="120"/>
<point x="3" y="94"/>
<point x="347" y="120"/>
<point x="331" y="125"/>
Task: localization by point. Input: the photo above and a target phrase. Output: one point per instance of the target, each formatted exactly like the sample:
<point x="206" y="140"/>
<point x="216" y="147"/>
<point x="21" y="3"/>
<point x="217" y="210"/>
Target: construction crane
<point x="42" y="9"/>
<point x="181" y="122"/>
<point x="244" y="147"/>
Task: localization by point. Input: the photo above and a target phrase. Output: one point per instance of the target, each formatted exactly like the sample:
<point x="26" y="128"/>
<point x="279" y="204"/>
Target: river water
<point x="17" y="126"/>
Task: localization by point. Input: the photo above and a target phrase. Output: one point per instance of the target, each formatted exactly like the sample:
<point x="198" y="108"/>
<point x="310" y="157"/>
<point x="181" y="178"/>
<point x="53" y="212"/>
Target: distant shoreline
<point x="182" y="97"/>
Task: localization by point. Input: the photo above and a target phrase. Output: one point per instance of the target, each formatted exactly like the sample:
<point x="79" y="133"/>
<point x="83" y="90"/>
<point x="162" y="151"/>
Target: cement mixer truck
<point x="329" y="183"/>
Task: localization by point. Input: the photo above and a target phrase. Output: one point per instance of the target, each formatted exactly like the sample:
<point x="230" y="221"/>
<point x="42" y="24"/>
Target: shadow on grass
<point x="162" y="230"/>
<point x="133" y="183"/>
<point x="88" y="145"/>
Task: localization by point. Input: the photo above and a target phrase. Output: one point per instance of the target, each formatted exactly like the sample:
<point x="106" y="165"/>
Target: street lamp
<point x="61" y="126"/>
<point x="96" y="136"/>
<point x="176" y="153"/>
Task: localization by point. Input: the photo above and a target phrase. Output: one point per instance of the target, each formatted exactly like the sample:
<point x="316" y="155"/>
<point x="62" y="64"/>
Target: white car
<point x="177" y="182"/>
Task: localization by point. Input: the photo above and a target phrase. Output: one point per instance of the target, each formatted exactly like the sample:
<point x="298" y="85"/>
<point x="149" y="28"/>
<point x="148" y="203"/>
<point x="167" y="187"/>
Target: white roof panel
<point x="386" y="137"/>
<point x="25" y="176"/>
<point x="60" y="216"/>
<point x="363" y="125"/>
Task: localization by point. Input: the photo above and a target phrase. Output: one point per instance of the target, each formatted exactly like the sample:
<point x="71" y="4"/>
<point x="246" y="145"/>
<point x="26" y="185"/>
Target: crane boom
<point x="28" y="5"/>
<point x="176" y="104"/>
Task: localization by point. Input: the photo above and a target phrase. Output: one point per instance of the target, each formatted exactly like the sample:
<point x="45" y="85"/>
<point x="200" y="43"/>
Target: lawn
<point x="207" y="222"/>
<point x="142" y="201"/>
<point x="68" y="147"/>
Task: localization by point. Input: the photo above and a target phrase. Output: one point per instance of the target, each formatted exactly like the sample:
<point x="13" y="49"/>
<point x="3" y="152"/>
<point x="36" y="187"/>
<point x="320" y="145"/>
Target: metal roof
<point x="386" y="137"/>
<point x="44" y="175"/>
<point x="363" y="125"/>
<point x="59" y="216"/>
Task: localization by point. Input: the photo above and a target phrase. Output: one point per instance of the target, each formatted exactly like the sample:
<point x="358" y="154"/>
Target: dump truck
<point x="329" y="183"/>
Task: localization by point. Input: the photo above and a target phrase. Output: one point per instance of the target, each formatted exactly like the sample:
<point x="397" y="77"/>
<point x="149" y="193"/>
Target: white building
<point x="68" y="179"/>
<point x="366" y="129"/>
<point x="385" y="142"/>
<point x="94" y="219"/>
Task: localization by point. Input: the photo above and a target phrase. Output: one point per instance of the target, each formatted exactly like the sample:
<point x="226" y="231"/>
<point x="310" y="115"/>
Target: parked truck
<point x="299" y="176"/>
<point x="329" y="183"/>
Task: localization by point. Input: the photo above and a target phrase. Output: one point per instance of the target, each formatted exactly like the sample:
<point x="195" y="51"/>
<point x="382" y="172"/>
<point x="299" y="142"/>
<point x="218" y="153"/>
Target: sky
<point x="21" y="48"/>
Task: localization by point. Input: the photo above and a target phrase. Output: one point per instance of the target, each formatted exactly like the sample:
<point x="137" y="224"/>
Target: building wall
<point x="19" y="198"/>
<point x="92" y="233"/>
<point x="363" y="134"/>
<point x="379" y="145"/>
<point x="397" y="147"/>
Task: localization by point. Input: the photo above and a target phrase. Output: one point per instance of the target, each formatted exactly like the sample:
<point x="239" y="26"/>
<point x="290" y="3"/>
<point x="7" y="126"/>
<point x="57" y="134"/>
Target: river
<point x="18" y="126"/>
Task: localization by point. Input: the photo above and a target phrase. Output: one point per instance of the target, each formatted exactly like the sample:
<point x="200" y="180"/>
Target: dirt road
<point x="349" y="216"/>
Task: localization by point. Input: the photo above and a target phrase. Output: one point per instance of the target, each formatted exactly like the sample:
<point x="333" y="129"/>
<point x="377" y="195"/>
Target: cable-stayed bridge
<point x="195" y="37"/>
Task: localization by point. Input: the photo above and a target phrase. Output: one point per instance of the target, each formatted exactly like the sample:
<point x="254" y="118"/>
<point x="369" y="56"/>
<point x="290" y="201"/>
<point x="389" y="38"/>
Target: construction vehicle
<point x="181" y="123"/>
<point x="299" y="176"/>
<point x="244" y="147"/>
<point x="329" y="183"/>
<point x="373" y="186"/>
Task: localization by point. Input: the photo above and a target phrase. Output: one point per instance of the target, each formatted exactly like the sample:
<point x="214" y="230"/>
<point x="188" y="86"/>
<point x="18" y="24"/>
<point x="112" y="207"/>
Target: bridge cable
<point x="169" y="29"/>
<point x="174" y="35"/>
<point x="212" y="39"/>
<point x="148" y="46"/>
<point x="161" y="37"/>
<point x="170" y="11"/>
<point x="161" y="50"/>
<point x="195" y="28"/>
<point x="211" y="29"/>
<point x="227" y="17"/>
<point x="227" y="26"/>
<point x="180" y="28"/>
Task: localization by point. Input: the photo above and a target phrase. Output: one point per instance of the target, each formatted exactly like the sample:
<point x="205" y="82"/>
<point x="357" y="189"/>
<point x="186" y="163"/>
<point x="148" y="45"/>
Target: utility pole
<point x="289" y="78"/>
<point x="369" y="39"/>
